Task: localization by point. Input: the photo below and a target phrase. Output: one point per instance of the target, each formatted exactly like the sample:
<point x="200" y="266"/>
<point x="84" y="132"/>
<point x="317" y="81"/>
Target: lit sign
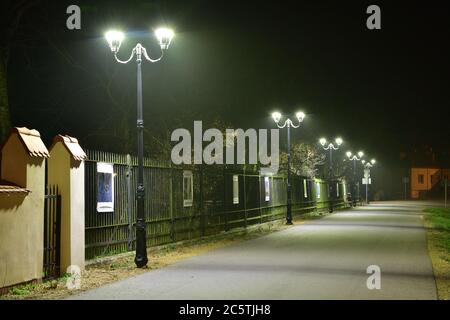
<point x="105" y="187"/>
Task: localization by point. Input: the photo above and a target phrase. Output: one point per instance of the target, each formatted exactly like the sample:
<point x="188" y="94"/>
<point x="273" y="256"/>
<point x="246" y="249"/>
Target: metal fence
<point x="52" y="232"/>
<point x="223" y="199"/>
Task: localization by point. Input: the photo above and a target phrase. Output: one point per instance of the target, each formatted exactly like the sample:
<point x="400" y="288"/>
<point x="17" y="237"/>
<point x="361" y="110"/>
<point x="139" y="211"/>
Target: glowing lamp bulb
<point x="276" y="116"/>
<point x="339" y="141"/>
<point x="300" y="116"/>
<point x="164" y="36"/>
<point x="323" y="141"/>
<point x="114" y="39"/>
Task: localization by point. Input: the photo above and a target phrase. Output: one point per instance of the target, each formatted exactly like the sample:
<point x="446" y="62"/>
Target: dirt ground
<point x="122" y="266"/>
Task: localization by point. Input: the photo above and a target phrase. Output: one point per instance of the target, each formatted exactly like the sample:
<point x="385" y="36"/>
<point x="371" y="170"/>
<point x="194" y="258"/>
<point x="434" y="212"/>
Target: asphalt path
<point x="320" y="259"/>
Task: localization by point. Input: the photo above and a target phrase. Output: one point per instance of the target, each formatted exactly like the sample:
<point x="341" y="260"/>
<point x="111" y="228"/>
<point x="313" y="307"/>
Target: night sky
<point x="383" y="91"/>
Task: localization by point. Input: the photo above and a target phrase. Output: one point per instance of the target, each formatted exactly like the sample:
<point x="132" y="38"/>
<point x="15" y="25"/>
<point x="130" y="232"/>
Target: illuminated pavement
<point x="322" y="259"/>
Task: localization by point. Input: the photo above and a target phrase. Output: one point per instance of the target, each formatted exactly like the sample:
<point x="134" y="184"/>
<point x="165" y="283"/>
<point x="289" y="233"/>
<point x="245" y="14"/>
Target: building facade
<point x="424" y="179"/>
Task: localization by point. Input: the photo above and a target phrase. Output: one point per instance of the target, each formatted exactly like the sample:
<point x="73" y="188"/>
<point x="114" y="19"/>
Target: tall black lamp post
<point x="288" y="124"/>
<point x="355" y="189"/>
<point x="115" y="39"/>
<point x="330" y="147"/>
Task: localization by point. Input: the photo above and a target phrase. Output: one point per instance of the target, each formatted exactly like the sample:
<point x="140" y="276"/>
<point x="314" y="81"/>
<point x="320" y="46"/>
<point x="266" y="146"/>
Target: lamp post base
<point x="140" y="261"/>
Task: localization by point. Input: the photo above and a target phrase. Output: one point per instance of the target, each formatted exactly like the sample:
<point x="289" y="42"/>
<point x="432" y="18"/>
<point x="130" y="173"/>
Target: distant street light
<point x="330" y="147"/>
<point x="288" y="123"/>
<point x="354" y="158"/>
<point x="115" y="39"/>
<point x="367" y="166"/>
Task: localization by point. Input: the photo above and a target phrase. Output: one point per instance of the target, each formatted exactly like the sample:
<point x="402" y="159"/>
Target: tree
<point x="305" y="160"/>
<point x="11" y="18"/>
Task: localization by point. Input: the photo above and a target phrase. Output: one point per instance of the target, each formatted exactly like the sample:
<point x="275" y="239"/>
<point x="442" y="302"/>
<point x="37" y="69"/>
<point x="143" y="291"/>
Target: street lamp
<point x="367" y="166"/>
<point x="330" y="147"/>
<point x="288" y="123"/>
<point x="354" y="158"/>
<point x="115" y="39"/>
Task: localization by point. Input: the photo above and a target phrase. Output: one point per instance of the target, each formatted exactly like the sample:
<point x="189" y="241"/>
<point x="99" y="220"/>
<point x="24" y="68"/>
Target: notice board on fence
<point x="105" y="187"/>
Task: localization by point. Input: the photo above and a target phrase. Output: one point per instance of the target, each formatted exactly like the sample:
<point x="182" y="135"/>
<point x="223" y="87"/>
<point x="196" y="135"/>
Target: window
<point x="305" y="188"/>
<point x="337" y="189"/>
<point x="420" y="177"/>
<point x="235" y="189"/>
<point x="188" y="186"/>
<point x="267" y="188"/>
<point x="318" y="190"/>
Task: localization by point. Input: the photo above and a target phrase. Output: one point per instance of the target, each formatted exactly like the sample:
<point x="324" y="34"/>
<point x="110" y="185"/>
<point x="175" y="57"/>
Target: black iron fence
<point x="52" y="232"/>
<point x="189" y="202"/>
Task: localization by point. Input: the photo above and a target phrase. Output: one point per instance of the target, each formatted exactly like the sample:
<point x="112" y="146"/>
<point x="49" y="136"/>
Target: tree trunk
<point x="5" y="120"/>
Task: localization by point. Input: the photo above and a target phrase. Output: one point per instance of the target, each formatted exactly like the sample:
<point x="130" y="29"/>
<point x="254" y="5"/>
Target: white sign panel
<point x="188" y="188"/>
<point x="364" y="181"/>
<point x="105" y="187"/>
<point x="267" y="188"/>
<point x="235" y="189"/>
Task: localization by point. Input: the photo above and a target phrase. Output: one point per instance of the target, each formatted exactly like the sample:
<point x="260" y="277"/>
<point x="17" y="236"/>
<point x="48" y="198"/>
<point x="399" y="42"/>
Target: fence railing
<point x="222" y="199"/>
<point x="52" y="232"/>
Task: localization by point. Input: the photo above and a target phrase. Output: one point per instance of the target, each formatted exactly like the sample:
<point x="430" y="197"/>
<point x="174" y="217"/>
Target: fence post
<point x="245" y="197"/>
<point x="45" y="231"/>
<point x="57" y="229"/>
<point x="259" y="197"/>
<point x="172" y="227"/>
<point x="202" y="211"/>
<point x="224" y="199"/>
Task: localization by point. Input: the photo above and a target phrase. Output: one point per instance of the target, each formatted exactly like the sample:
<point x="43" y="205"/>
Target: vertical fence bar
<point x="224" y="199"/>
<point x="52" y="232"/>
<point x="201" y="205"/>
<point x="58" y="234"/>
<point x="261" y="199"/>
<point x="45" y="233"/>
<point x="244" y="196"/>
<point x="172" y="221"/>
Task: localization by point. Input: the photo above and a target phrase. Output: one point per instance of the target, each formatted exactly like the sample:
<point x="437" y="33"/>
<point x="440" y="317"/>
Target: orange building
<point x="424" y="180"/>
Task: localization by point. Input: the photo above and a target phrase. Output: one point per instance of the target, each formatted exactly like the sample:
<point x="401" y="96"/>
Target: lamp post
<point x="115" y="39"/>
<point x="354" y="158"/>
<point x="367" y="166"/>
<point x="330" y="147"/>
<point x="288" y="124"/>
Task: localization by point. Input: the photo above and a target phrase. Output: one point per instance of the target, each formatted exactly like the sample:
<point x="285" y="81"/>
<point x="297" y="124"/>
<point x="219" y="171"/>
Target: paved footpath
<point x="321" y="259"/>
